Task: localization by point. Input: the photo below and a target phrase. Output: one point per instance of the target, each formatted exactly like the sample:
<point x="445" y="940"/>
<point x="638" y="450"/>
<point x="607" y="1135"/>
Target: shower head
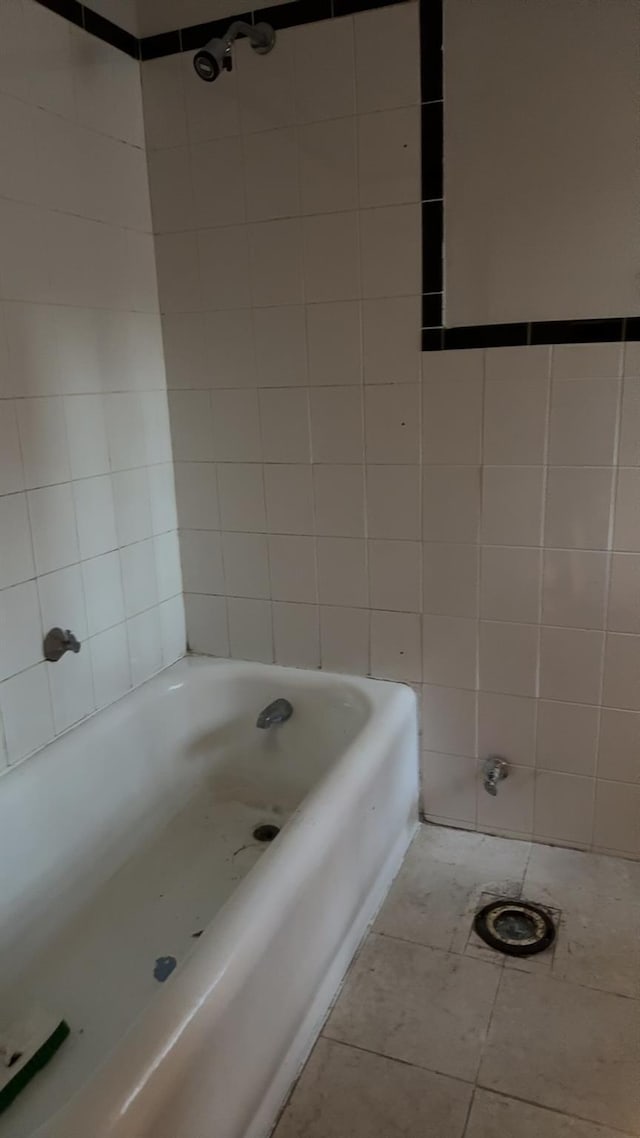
<point x="216" y="56"/>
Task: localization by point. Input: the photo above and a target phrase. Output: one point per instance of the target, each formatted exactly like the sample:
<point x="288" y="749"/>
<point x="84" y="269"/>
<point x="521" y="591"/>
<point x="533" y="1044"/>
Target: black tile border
<point x="435" y="335"/>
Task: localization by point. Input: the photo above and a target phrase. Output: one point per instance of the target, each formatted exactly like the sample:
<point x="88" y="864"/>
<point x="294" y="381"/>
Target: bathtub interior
<point x="174" y="792"/>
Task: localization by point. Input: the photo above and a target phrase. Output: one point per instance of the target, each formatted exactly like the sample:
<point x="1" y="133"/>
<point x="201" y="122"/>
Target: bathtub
<point x="127" y="849"/>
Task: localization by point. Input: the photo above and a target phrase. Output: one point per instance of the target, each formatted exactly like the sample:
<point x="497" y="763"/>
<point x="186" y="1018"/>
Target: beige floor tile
<point x="418" y="1004"/>
<point x="493" y="1116"/>
<point x="348" y="1092"/>
<point x="566" y="1047"/>
<point x="554" y="876"/>
<point x="599" y="945"/>
<point x="437" y="891"/>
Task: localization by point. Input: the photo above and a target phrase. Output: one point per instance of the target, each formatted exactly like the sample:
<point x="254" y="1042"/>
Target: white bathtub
<point x="132" y="833"/>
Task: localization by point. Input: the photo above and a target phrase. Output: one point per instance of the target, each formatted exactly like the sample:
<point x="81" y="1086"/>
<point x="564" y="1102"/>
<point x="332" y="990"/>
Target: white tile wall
<point x="85" y="457"/>
<point x="465" y="522"/>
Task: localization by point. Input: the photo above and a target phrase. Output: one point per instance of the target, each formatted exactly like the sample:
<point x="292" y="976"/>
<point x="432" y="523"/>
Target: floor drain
<point x="515" y="927"/>
<point x="266" y="833"/>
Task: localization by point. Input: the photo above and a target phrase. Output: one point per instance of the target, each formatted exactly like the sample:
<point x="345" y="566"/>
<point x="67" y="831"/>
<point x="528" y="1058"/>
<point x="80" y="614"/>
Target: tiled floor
<point x="436" y="1036"/>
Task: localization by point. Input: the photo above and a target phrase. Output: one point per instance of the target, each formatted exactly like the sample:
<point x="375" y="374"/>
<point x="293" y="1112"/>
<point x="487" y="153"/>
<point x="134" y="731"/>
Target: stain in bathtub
<point x="163" y="967"/>
<point x="239" y="850"/>
<point x="196" y="935"/>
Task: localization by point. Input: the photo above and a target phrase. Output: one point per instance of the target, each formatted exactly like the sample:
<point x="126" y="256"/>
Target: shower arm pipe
<point x="254" y="33"/>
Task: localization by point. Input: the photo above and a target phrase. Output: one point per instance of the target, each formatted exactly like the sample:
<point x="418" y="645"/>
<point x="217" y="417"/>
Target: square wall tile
<point x="331" y="263"/>
<point x="507" y="726"/>
<point x="629" y="450"/>
<point x="449" y="720"/>
<point x="242" y="499"/>
<point x="616" y="820"/>
<point x="71" y="689"/>
<point x="571" y="664"/>
<point x="333" y="339"/>
<point x="275" y="252"/>
<point x="202" y="567"/>
<point x="342" y="571"/>
<point x="515" y="421"/>
<point x="125" y="430"/>
<point x="171" y="189"/>
<point x="390" y="250"/>
<point x="16" y="554"/>
<point x="389" y="157"/>
<point x="564" y="807"/>
<point x="293" y="569"/>
<point x="289" y="495"/>
<point x="139" y="582"/>
<point x="250" y="629"/>
<point x="62" y="603"/>
<point x="337" y="428"/>
<point x="173" y="631"/>
<point x="512" y="500"/>
<point x="508" y="658"/>
<point x="95" y="516"/>
<point x="451" y="503"/>
<point x="191" y="426"/>
<point x="218" y="182"/>
<point x="586" y="361"/>
<point x="392" y="423"/>
<point x="246" y="565"/>
<point x="387" y="64"/>
<point x="584" y="416"/>
<point x="449" y="787"/>
<point x="207" y="628"/>
<point x="102" y="580"/>
<point x="183" y="338"/>
<point x="395" y="646"/>
<point x="574" y="588"/>
<point x="296" y="635"/>
<point x="452" y="421"/>
<point x="178" y="272"/>
<point x="26" y="712"/>
<point x="391" y="339"/>
<point x="619" y="746"/>
<point x="513" y="807"/>
<point x="578" y="507"/>
<point x="236" y="426"/>
<point x="567" y="737"/>
<point x="234" y="362"/>
<point x="624" y="593"/>
<point x="244" y="252"/>
<point x="53" y="528"/>
<point x="344" y="640"/>
<point x="168" y="567"/>
<point x="626" y="533"/>
<point x="145" y="646"/>
<point x="266" y="85"/>
<point x="510" y="583"/>
<point x="11" y="470"/>
<point x="110" y="664"/>
<point x="284" y="422"/>
<point x="132" y="505"/>
<point x="622" y="671"/>
<point x="280" y="343"/>
<point x="450" y="651"/>
<point x="393" y="502"/>
<point x="328" y="166"/>
<point x="271" y="174"/>
<point x="395" y="575"/>
<point x="20" y="631"/>
<point x="324" y="69"/>
<point x="339" y="500"/>
<point x="450" y="579"/>
<point x="518" y="363"/>
<point x="43" y="439"/>
<point x="162" y="498"/>
<point x="197" y="495"/>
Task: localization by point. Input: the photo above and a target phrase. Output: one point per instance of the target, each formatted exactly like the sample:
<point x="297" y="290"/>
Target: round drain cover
<point x="515" y="927"/>
<point x="266" y="833"/>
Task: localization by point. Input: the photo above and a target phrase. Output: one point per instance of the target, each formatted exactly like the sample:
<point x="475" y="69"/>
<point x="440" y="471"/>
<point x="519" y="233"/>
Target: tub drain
<point x="516" y="928"/>
<point x="266" y="832"/>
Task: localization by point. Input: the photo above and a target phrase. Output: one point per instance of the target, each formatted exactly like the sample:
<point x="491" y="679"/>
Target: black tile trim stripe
<point x="435" y="336"/>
